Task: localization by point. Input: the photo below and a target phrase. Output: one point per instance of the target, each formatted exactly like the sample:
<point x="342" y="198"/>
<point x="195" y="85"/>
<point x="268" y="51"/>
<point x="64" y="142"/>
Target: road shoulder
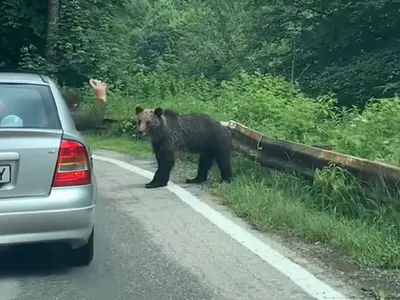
<point x="298" y="252"/>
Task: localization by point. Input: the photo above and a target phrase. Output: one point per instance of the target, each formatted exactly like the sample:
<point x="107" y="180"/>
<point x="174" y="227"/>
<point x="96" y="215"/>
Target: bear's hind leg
<point x="165" y="161"/>
<point x="224" y="162"/>
<point x="205" y="162"/>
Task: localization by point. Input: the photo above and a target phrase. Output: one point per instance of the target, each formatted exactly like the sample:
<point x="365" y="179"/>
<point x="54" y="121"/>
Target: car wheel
<point x="82" y="256"/>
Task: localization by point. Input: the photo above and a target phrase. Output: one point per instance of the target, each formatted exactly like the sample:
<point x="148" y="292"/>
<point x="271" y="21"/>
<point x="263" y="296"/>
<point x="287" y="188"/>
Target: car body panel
<point x="31" y="155"/>
<point x="66" y="215"/>
<point x="31" y="210"/>
<point x="22" y="78"/>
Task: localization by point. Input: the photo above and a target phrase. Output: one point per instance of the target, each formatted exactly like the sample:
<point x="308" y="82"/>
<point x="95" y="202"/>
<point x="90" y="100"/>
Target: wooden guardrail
<point x="290" y="156"/>
<point x="285" y="155"/>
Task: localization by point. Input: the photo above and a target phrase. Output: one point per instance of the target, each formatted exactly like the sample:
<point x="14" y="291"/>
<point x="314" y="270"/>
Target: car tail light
<point x="73" y="166"/>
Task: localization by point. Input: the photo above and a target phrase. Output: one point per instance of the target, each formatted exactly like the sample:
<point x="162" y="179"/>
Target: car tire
<point x="83" y="256"/>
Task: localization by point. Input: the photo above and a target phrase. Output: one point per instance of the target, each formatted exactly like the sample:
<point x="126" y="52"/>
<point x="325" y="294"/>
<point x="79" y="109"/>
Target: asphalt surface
<point x="148" y="245"/>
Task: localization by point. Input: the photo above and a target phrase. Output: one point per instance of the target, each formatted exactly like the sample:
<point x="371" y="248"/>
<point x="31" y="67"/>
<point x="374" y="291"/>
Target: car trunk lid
<point x="28" y="158"/>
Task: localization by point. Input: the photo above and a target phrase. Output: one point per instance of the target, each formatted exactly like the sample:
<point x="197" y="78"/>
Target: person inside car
<point x="91" y="117"/>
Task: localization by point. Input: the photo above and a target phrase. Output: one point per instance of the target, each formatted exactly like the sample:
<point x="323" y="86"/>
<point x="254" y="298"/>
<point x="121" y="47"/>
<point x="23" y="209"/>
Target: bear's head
<point x="149" y="121"/>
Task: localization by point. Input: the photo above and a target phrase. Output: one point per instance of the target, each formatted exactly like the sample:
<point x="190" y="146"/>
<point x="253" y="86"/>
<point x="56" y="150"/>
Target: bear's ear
<point x="158" y="112"/>
<point x="138" y="109"/>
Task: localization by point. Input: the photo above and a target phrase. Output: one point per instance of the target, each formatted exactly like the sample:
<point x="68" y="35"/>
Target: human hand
<point x="100" y="88"/>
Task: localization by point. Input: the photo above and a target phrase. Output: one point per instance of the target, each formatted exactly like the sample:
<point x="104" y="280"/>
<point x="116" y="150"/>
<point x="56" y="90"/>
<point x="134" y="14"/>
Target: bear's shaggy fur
<point x="194" y="133"/>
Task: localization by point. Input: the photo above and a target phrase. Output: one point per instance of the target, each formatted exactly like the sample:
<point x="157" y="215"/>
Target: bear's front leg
<point x="165" y="161"/>
<point x="154" y="183"/>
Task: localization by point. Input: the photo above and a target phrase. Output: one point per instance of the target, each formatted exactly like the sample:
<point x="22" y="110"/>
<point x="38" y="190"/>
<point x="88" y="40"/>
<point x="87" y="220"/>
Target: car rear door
<point x="30" y="137"/>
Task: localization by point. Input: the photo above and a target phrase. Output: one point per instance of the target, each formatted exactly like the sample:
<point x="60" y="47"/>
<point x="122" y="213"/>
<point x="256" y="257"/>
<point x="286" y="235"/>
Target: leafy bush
<point x="276" y="108"/>
<point x="272" y="106"/>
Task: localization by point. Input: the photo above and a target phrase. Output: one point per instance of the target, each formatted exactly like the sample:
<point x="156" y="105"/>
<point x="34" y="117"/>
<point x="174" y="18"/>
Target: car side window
<point x="27" y="106"/>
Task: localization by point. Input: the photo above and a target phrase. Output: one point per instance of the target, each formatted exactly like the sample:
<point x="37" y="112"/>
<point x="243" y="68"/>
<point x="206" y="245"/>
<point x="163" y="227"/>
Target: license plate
<point x="5" y="174"/>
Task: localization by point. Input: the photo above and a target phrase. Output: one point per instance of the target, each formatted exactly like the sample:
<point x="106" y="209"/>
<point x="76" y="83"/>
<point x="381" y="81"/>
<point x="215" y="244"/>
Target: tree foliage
<point x="349" y="47"/>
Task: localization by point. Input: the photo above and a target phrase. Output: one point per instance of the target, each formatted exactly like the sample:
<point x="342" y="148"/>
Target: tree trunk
<point x="52" y="25"/>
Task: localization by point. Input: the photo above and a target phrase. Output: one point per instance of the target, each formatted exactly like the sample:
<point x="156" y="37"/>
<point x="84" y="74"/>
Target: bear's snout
<point x="142" y="132"/>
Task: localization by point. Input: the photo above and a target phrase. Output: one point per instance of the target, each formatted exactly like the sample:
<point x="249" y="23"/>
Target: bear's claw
<point x="153" y="185"/>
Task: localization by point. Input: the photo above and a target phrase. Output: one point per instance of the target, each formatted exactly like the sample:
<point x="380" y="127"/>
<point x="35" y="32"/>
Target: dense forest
<point x="348" y="47"/>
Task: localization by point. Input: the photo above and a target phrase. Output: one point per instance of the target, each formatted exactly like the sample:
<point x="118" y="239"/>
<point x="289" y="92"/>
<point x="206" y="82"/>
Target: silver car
<point x="47" y="186"/>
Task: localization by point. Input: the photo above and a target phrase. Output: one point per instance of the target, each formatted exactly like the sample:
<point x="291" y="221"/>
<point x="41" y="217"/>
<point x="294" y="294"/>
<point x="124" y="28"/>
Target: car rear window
<point x="27" y="106"/>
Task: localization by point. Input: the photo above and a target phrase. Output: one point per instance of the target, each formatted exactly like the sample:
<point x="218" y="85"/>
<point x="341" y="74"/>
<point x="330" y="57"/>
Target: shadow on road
<point x="33" y="260"/>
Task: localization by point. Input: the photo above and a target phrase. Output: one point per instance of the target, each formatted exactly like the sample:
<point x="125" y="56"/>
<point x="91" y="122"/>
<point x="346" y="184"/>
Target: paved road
<point x="149" y="245"/>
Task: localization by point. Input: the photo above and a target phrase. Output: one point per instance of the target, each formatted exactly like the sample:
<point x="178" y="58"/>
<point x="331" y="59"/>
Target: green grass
<point x="284" y="203"/>
<point x="276" y="201"/>
<point x="363" y="223"/>
<point x="139" y="149"/>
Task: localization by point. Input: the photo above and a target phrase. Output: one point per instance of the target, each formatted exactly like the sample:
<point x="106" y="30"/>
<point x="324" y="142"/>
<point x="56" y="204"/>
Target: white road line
<point x="300" y="276"/>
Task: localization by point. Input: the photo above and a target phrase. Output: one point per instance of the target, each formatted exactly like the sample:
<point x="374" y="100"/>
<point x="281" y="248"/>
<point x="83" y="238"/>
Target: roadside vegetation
<point x="290" y="69"/>
<point x="335" y="209"/>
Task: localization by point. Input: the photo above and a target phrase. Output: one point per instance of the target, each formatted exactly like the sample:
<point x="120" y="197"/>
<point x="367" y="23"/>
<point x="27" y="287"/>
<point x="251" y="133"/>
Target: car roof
<point x="23" y="77"/>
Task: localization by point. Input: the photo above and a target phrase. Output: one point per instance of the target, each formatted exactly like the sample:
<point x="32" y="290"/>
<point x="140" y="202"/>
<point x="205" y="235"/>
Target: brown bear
<point x="194" y="133"/>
